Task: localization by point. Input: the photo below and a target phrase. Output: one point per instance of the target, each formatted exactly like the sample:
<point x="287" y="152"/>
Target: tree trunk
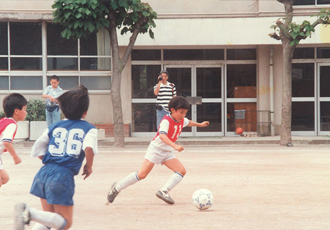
<point x="286" y="93"/>
<point x="119" y="137"/>
<point x="118" y="66"/>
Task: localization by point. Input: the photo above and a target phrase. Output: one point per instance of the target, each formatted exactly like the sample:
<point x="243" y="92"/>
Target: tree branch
<point x="132" y="40"/>
<point x="317" y="22"/>
<point x="275" y="36"/>
<point x="283" y="29"/>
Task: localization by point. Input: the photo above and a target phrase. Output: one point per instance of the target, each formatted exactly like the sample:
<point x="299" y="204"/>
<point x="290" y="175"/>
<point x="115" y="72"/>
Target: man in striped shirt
<point x="164" y="91"/>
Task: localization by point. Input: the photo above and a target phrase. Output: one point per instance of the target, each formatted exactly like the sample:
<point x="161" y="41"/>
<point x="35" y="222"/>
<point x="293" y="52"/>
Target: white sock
<point x="39" y="226"/>
<point x="172" y="182"/>
<point x="127" y="181"/>
<point x="50" y="219"/>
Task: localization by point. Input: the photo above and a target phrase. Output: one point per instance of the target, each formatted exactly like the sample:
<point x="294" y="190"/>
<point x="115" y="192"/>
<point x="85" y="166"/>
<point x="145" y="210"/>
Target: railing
<point x="254" y="121"/>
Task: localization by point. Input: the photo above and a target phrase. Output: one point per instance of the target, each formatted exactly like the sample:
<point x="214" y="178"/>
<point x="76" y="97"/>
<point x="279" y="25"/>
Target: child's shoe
<point x="112" y="193"/>
<point x="22" y="216"/>
<point x="164" y="196"/>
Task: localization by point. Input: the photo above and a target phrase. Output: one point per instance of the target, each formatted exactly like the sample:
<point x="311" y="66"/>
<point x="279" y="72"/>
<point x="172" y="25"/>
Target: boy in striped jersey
<point x="160" y="151"/>
<point x="164" y="91"/>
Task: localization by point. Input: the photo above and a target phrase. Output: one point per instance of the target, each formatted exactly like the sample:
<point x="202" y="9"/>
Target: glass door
<point x="205" y="82"/>
<point x="209" y="87"/>
<point x="324" y="100"/>
<point x="181" y="76"/>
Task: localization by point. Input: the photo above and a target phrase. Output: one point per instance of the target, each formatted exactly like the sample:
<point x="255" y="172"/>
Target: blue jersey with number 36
<point x="66" y="140"/>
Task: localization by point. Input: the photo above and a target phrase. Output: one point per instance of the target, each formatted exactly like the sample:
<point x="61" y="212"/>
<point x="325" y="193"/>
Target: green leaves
<point x="299" y="32"/>
<point x="80" y="17"/>
<point x="304" y="30"/>
<point x="35" y="110"/>
<point x="83" y="17"/>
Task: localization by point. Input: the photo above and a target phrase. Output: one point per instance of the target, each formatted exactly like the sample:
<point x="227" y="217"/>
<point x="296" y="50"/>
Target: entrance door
<point x="205" y="82"/>
<point x="324" y="100"/>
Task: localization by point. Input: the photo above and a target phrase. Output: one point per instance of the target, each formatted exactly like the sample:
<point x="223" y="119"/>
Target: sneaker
<point x="164" y="196"/>
<point x="22" y="216"/>
<point x="112" y="193"/>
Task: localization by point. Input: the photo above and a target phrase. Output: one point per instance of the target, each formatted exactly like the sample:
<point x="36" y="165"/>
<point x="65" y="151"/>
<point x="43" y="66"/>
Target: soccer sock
<point x="172" y="182"/>
<point x="50" y="219"/>
<point x="39" y="226"/>
<point x="127" y="181"/>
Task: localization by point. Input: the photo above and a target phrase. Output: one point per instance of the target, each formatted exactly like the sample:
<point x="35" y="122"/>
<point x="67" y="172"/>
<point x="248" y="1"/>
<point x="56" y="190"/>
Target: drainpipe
<point x="271" y="89"/>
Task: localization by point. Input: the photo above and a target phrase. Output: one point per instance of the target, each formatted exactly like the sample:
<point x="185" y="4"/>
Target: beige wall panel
<point x="202" y="6"/>
<point x="263" y="78"/>
<point x="267" y="6"/>
<point x="208" y="31"/>
<point x="34" y="5"/>
<point x="100" y="109"/>
<point x="168" y="7"/>
<point x="278" y="73"/>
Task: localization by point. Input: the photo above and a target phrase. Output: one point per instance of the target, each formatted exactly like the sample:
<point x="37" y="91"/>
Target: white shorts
<point x="158" y="156"/>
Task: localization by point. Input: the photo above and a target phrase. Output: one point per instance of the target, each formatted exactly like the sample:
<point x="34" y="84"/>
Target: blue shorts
<point x="55" y="184"/>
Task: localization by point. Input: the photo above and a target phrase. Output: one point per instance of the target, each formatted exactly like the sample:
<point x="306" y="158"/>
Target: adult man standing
<point x="164" y="91"/>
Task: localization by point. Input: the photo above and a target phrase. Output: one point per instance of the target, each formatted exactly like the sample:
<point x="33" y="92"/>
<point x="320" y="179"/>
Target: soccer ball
<point x="202" y="199"/>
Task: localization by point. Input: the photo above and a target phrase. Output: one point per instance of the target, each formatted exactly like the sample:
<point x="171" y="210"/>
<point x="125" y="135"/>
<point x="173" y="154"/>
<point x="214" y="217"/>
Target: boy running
<point x="62" y="148"/>
<point x="160" y="151"/>
<point x="14" y="106"/>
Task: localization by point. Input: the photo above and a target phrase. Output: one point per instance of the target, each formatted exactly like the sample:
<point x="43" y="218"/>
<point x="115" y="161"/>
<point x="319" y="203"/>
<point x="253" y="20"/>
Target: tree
<point x="291" y="34"/>
<point x="84" y="17"/>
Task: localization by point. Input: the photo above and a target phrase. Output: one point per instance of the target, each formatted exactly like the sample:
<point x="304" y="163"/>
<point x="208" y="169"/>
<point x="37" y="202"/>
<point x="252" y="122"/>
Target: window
<point x="96" y="83"/>
<point x="303" y="80"/>
<point x="302" y="116"/>
<point x="323" y="52"/>
<point x="209" y="82"/>
<point x="57" y="45"/>
<point x="196" y="54"/>
<point x="63" y="53"/>
<point x="144" y="78"/>
<point x="3" y="38"/>
<point x="25" y="38"/>
<point x="66" y="82"/>
<point x="241" y="54"/>
<point x="95" y="52"/>
<point x="59" y="48"/>
<point x="70" y="59"/>
<point x="146" y="55"/>
<point x="25" y="46"/>
<point x="303" y="53"/>
<point x="26" y="82"/>
<point x="4" y="82"/>
<point x="310" y="2"/>
<point x="241" y="81"/>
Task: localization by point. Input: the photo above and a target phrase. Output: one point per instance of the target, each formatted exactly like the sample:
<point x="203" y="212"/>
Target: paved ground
<point x="255" y="187"/>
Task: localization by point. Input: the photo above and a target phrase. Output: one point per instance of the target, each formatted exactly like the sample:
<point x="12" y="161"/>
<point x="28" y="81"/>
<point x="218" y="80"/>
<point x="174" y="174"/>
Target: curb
<point x="104" y="143"/>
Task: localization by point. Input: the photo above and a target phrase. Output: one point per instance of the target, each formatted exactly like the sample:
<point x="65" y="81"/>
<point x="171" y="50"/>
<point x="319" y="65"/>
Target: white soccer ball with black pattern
<point x="202" y="199"/>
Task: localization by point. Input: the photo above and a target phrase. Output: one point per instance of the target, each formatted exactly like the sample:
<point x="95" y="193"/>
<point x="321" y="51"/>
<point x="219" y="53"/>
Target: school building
<point x="218" y="54"/>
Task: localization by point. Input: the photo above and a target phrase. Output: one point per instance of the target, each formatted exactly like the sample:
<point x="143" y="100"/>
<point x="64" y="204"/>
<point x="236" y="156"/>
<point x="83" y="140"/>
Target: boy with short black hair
<point x="14" y="106"/>
<point x="160" y="151"/>
<point x="62" y="148"/>
<point x="51" y="93"/>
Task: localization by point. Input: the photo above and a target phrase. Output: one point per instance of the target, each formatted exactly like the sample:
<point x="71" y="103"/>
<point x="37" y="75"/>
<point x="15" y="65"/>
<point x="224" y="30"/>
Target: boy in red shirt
<point x="160" y="151"/>
<point x="14" y="106"/>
